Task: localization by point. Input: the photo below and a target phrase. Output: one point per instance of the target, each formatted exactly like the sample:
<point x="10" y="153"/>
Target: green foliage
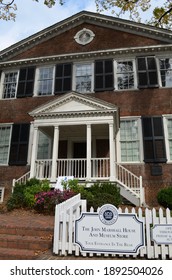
<point x="103" y="193"/>
<point x="165" y="197"/>
<point x="98" y="194"/>
<point x="23" y="195"/>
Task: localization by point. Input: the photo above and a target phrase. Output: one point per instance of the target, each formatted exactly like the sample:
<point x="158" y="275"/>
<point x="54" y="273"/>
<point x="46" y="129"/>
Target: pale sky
<point x="33" y="17"/>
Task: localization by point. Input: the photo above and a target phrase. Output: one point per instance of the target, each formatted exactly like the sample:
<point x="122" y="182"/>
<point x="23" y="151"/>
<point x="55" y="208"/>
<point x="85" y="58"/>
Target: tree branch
<point x="164" y="14"/>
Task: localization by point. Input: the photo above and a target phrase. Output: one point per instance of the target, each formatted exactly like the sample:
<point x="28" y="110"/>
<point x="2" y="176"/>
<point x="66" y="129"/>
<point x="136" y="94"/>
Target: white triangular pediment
<point x="72" y="103"/>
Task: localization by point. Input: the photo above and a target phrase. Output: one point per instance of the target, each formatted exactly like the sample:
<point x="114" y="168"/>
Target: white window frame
<point x="2" y="189"/>
<point x="36" y="84"/>
<point x="74" y="75"/>
<point x="7" y="125"/>
<point x="2" y="83"/>
<point x="165" y="123"/>
<point x="159" y="70"/>
<point x="140" y="139"/>
<point x="116" y="61"/>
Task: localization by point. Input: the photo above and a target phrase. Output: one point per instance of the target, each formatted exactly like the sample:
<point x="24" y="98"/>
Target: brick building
<point x="89" y="97"/>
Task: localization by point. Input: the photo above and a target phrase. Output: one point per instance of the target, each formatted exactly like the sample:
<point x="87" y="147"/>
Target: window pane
<point x="4" y="143"/>
<point x="45" y="81"/>
<point x="169" y="127"/>
<point x="83" y="78"/>
<point x="130" y="151"/>
<point x="166" y="72"/>
<point x="125" y="75"/>
<point x="43" y="146"/>
<point x="141" y="63"/>
<point x="9" y="86"/>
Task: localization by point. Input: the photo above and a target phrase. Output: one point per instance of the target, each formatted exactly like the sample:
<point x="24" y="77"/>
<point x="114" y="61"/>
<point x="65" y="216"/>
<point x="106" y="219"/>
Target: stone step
<point x="17" y="254"/>
<point x="26" y="242"/>
<point x="29" y="231"/>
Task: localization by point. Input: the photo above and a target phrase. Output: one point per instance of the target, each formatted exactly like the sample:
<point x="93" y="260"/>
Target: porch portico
<point x="81" y="132"/>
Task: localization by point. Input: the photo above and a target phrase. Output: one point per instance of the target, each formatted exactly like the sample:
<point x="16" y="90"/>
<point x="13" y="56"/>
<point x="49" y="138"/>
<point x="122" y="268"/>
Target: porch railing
<point x="100" y="168"/>
<point x="72" y="167"/>
<point x="43" y="169"/>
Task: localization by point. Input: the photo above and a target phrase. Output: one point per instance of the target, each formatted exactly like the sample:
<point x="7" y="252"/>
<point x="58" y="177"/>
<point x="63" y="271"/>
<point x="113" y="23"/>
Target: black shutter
<point x="63" y="78"/>
<point x="19" y="144"/>
<point x="153" y="139"/>
<point x="104" y="75"/>
<point x="26" y="82"/>
<point x="147" y="72"/>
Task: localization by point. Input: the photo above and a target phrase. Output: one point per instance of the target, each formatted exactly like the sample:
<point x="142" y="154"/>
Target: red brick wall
<point x="105" y="38"/>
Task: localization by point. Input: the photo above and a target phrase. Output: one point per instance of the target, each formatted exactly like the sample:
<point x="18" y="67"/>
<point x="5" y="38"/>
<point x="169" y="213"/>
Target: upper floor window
<point x="125" y="77"/>
<point x="147" y="72"/>
<point x="165" y="65"/>
<point x="130" y="140"/>
<point x="83" y="77"/>
<point x="26" y="82"/>
<point x="10" y="84"/>
<point x="45" y="78"/>
<point x="5" y="135"/>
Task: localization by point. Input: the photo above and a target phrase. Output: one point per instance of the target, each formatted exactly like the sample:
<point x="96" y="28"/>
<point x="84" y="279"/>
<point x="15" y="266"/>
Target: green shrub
<point x="98" y="194"/>
<point x="104" y="193"/>
<point x="165" y="197"/>
<point x="23" y="195"/>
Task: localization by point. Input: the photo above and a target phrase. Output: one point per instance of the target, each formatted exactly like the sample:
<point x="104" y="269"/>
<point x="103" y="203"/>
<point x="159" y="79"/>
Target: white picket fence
<point x="67" y="212"/>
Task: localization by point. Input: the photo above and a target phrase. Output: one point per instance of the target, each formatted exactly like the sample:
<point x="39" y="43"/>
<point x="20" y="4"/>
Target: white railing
<point x="128" y="179"/>
<point x="100" y="168"/>
<point x="72" y="167"/>
<point x="67" y="212"/>
<point x="43" y="169"/>
<point x="21" y="180"/>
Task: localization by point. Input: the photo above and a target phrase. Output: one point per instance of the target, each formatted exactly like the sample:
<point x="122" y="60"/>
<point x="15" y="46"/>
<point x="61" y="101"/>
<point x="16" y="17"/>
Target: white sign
<point x="61" y="179"/>
<point x="162" y="234"/>
<point x="109" y="232"/>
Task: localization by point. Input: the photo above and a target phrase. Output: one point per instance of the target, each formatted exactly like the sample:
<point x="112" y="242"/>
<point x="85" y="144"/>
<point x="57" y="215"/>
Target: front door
<point x="79" y="153"/>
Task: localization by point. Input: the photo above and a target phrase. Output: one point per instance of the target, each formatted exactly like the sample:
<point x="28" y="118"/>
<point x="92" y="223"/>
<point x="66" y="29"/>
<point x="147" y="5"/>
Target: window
<point x="104" y="75"/>
<point x="19" y="144"/>
<point x="147" y="72"/>
<point x="129" y="139"/>
<point x="5" y="133"/>
<point x="153" y="138"/>
<point x="63" y="78"/>
<point x="10" y="84"/>
<point x="83" y="77"/>
<point x="45" y="80"/>
<point x="165" y="65"/>
<point x="125" y="75"/>
<point x="44" y="146"/>
<point x="26" y="82"/>
<point x="169" y="129"/>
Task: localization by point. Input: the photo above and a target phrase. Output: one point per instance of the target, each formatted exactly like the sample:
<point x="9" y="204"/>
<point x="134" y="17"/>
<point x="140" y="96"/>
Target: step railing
<point x="21" y="180"/>
<point x="130" y="181"/>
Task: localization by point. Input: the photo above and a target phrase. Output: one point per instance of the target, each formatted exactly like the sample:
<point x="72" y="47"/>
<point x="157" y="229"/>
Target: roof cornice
<point x="134" y="51"/>
<point x="88" y="17"/>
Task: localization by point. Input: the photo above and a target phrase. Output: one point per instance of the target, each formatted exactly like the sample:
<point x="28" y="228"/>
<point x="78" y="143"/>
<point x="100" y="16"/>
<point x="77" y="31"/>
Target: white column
<point x="34" y="152"/>
<point x="112" y="152"/>
<point x="55" y="154"/>
<point x="88" y="152"/>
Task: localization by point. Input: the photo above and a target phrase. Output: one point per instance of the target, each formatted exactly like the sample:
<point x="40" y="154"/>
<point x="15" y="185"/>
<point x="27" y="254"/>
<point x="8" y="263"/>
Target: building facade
<point x="89" y="97"/>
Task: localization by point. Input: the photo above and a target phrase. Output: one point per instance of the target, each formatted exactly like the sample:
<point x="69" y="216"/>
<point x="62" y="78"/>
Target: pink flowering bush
<point x="45" y="201"/>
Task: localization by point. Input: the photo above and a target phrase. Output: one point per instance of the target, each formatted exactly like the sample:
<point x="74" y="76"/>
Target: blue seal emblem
<point x="108" y="214"/>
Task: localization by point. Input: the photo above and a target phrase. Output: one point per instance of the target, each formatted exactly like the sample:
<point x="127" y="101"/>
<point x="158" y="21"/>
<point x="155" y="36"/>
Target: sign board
<point x="109" y="232"/>
<point x="62" y="179"/>
<point x="162" y="233"/>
